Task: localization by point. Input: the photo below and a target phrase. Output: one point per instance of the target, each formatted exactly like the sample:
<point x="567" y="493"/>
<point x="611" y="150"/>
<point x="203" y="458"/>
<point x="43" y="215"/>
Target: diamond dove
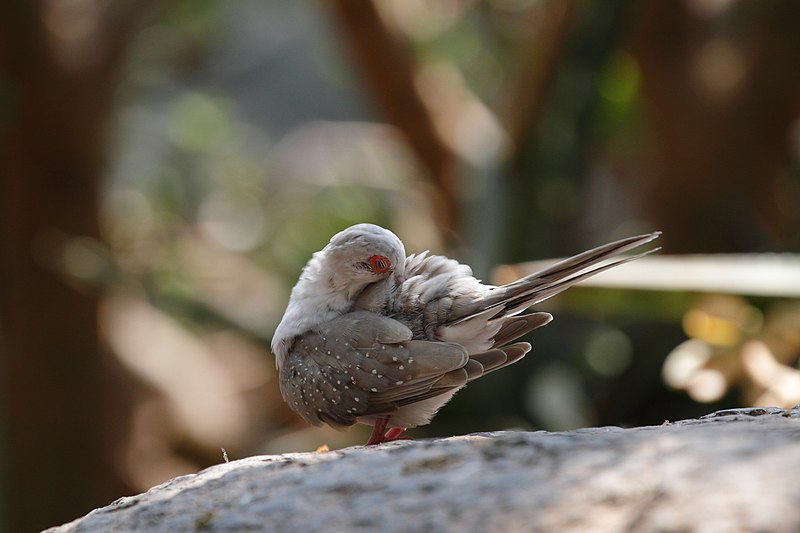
<point x="374" y="337"/>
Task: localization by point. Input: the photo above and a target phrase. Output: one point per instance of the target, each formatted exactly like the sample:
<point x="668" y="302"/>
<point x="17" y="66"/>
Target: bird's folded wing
<point x="363" y="364"/>
<point x="478" y="365"/>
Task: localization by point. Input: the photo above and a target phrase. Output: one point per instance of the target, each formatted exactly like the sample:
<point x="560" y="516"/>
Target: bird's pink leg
<point x="378" y="436"/>
<point x="377" y="431"/>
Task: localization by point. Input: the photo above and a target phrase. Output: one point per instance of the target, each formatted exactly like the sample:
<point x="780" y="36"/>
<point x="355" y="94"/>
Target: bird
<point x="373" y="336"/>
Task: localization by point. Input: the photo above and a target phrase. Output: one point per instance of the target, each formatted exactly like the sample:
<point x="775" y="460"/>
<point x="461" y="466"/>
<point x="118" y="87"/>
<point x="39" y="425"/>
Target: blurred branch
<point x="389" y="73"/>
<point x="722" y="86"/>
<point x="537" y="70"/>
<point x="554" y="137"/>
<point x="118" y="23"/>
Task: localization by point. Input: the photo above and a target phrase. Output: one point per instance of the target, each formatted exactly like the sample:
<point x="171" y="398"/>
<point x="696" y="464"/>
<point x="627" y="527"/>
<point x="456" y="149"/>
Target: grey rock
<point x="735" y="470"/>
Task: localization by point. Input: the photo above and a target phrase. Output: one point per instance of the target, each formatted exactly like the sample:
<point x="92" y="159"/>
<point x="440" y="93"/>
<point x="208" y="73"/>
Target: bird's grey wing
<point x="361" y="365"/>
<point x="417" y="405"/>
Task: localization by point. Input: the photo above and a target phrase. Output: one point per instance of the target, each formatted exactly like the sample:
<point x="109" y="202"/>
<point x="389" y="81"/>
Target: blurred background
<point x="167" y="168"/>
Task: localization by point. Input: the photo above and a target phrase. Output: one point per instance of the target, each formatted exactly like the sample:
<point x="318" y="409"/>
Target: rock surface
<point x="731" y="471"/>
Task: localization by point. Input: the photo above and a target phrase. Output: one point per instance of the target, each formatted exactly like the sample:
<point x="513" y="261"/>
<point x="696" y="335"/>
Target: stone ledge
<point x="736" y="470"/>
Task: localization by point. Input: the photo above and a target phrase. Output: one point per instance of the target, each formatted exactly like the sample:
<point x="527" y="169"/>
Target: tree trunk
<point x="60" y="426"/>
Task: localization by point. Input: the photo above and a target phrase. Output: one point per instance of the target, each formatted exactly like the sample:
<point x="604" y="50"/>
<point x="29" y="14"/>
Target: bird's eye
<point x="380" y="264"/>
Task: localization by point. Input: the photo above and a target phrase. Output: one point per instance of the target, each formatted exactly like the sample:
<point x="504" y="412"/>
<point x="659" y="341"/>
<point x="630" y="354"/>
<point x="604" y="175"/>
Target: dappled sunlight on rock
<point x="733" y="346"/>
<point x="780" y="383"/>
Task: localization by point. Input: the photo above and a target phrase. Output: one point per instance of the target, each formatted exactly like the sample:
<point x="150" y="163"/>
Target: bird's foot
<point x="394" y="434"/>
<point x="379" y="437"/>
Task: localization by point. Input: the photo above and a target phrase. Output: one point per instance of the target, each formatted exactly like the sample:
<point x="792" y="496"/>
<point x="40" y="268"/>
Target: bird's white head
<point x="362" y="255"/>
<point x="355" y="258"/>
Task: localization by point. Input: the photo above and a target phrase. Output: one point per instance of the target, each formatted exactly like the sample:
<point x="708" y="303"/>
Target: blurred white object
<point x="753" y="274"/>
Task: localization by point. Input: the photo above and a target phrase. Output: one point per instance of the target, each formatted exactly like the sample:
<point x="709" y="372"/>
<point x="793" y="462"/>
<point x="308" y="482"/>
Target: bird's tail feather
<point x="511" y="299"/>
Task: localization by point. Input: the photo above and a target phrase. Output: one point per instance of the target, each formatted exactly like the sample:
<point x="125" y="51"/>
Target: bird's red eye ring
<point x="380" y="264"/>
